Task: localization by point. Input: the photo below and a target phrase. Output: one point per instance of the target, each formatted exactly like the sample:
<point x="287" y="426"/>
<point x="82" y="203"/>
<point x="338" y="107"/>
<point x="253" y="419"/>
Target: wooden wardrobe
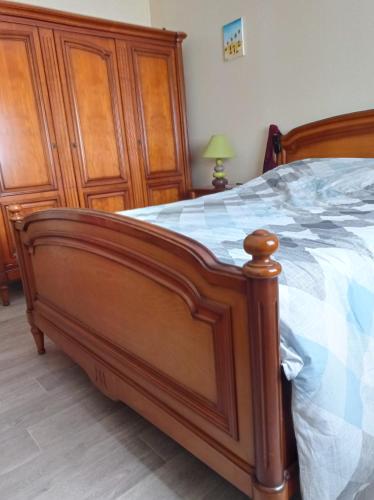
<point x="92" y="114"/>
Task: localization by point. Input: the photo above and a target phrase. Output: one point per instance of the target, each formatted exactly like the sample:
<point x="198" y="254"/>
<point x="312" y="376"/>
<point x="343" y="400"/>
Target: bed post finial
<point x="15" y="213"/>
<point x="262" y="295"/>
<point x="261" y="245"/>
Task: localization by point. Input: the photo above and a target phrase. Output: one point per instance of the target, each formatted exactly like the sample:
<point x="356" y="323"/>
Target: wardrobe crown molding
<point x="64" y="18"/>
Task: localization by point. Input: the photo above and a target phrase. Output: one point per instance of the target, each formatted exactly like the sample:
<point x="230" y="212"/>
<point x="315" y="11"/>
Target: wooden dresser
<point x="92" y="114"/>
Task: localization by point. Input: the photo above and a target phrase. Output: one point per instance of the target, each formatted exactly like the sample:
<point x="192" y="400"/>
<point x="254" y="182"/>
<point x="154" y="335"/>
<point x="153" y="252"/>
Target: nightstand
<point x="197" y="192"/>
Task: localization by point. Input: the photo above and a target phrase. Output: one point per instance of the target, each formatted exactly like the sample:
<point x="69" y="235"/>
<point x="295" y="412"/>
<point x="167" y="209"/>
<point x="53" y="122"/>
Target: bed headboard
<point x="350" y="136"/>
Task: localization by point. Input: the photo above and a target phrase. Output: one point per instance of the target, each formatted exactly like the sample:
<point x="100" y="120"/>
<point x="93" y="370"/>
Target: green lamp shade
<point x="219" y="147"/>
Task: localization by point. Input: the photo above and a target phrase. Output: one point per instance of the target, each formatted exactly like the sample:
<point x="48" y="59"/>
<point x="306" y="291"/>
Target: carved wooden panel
<point x="108" y="202"/>
<point x="345" y="136"/>
<point x="194" y="361"/>
<point x="27" y="149"/>
<point x="131" y="130"/>
<point x="155" y="81"/>
<point x="89" y="68"/>
<point x="159" y="194"/>
<point x="57" y="104"/>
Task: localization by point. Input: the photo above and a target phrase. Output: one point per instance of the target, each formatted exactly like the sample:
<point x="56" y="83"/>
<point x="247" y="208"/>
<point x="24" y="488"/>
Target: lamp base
<point x="219" y="176"/>
<point x="220" y="183"/>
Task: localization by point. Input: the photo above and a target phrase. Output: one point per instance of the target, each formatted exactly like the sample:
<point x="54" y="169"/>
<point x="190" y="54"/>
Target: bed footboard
<point x="158" y="323"/>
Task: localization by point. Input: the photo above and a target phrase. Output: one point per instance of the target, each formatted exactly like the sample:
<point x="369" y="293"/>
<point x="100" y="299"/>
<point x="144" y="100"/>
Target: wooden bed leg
<point x="262" y="291"/>
<point x="39" y="339"/>
<point x="4" y="295"/>
<point x="16" y="216"/>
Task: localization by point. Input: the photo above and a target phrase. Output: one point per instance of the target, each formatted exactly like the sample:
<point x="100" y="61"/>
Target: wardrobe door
<point x="29" y="162"/>
<point x="88" y="68"/>
<point x="160" y="112"/>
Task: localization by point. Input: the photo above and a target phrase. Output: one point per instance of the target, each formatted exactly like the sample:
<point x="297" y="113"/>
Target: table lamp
<point x="219" y="148"/>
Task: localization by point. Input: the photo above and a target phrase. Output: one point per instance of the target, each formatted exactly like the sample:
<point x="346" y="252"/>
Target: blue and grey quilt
<point x="323" y="213"/>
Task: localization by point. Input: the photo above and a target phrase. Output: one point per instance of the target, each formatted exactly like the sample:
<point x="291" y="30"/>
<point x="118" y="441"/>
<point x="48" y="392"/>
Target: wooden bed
<point x="156" y="322"/>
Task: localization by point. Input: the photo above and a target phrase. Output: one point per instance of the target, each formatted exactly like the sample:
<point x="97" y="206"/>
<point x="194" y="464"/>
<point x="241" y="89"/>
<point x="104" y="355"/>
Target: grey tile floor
<point x="60" y="439"/>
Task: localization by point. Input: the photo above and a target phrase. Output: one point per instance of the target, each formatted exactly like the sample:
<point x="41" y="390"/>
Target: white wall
<point x="129" y="11"/>
<point x="306" y="59"/>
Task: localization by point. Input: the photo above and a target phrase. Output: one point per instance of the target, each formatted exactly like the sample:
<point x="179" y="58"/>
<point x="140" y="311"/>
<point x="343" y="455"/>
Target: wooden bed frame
<point x="158" y="323"/>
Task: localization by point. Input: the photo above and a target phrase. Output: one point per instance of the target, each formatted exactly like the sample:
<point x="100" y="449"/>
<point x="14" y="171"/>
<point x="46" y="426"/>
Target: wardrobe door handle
<point x="74" y="145"/>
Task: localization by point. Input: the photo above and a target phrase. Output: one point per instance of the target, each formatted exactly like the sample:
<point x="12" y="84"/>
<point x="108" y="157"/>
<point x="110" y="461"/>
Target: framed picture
<point x="233" y="40"/>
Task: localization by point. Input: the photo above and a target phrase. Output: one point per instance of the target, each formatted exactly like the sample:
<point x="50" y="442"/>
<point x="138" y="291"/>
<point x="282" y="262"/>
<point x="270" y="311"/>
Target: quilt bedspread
<point x="323" y="213"/>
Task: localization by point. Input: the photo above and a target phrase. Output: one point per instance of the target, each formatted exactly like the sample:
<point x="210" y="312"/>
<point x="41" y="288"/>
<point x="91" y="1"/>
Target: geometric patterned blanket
<point x="322" y="210"/>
